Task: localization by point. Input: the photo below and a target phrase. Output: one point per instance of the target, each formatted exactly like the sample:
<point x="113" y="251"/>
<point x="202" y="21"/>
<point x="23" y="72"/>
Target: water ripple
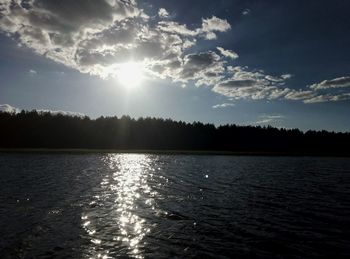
<point x="158" y="206"/>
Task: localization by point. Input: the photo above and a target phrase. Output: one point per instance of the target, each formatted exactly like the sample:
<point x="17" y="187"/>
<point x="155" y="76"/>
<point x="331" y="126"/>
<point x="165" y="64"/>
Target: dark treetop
<point x="44" y="130"/>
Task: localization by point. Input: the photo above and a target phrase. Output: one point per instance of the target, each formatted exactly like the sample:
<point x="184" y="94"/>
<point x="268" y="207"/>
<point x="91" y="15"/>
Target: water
<point x="159" y="206"/>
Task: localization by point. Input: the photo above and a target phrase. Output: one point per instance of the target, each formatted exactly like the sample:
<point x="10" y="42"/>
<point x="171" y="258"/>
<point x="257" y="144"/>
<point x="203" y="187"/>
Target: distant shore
<point x="33" y="132"/>
<point x="164" y="152"/>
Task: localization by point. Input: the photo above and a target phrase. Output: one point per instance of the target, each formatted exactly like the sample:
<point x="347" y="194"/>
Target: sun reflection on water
<point x="131" y="184"/>
<point x="116" y="215"/>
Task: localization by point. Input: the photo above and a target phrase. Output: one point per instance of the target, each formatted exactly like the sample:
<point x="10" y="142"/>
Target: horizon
<point x="33" y="131"/>
<point x="228" y="62"/>
<point x="14" y="111"/>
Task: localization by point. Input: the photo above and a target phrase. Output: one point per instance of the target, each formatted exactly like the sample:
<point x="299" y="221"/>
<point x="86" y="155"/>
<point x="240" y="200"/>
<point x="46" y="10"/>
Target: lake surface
<point x="182" y="206"/>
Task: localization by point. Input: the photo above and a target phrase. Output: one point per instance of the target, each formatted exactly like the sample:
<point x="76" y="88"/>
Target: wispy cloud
<point x="246" y="11"/>
<point x="243" y="83"/>
<point x="332" y="83"/>
<point x="223" y="105"/>
<point x="32" y="72"/>
<point x="269" y="119"/>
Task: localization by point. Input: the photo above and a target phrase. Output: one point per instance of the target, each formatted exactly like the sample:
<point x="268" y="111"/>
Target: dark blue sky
<point x="284" y="63"/>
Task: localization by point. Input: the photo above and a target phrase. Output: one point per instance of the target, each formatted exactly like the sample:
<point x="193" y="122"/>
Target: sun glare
<point x="130" y="74"/>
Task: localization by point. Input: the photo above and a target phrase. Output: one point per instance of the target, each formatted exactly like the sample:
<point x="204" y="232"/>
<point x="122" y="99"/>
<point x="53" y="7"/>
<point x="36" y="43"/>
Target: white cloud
<point x="59" y="112"/>
<point x="204" y="68"/>
<point x="223" y="105"/>
<point x="246" y="11"/>
<point x="328" y="91"/>
<point x="328" y="98"/>
<point x="247" y="84"/>
<point x="212" y="25"/>
<point x="97" y="37"/>
<point x="56" y="30"/>
<point x="257" y="85"/>
<point x="207" y="31"/>
<point x="163" y="13"/>
<point x="313" y="96"/>
<point x="32" y="72"/>
<point x="300" y="95"/>
<point x="333" y="83"/>
<point x="269" y="119"/>
<point x="175" y="27"/>
<point x="8" y="108"/>
<point x="228" y="53"/>
<point x="215" y="24"/>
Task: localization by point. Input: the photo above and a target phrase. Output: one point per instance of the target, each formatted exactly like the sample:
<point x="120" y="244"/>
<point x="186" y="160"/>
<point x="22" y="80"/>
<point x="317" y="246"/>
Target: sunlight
<point x="125" y="202"/>
<point x="130" y="74"/>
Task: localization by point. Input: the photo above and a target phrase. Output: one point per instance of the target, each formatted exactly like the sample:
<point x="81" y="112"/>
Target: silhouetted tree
<point x="30" y="129"/>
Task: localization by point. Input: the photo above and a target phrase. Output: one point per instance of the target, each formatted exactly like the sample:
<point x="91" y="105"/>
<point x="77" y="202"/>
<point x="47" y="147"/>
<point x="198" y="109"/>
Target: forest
<point x="32" y="130"/>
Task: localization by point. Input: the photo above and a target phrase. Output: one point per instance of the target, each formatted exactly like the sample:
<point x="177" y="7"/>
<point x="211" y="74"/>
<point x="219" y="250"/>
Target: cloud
<point x="200" y="65"/>
<point x="300" y="95"/>
<point x="246" y="84"/>
<point x="59" y="112"/>
<point x="204" y="68"/>
<point x="246" y="11"/>
<point x="176" y="28"/>
<point x="268" y="119"/>
<point x="328" y="98"/>
<point x="228" y="53"/>
<point x="207" y="30"/>
<point x="32" y="72"/>
<point x="257" y="85"/>
<point x="313" y="96"/>
<point x="333" y="83"/>
<point x="223" y="105"/>
<point x="326" y="91"/>
<point x="215" y="24"/>
<point x="97" y="37"/>
<point x="8" y="108"/>
<point x="56" y="29"/>
<point x="163" y="13"/>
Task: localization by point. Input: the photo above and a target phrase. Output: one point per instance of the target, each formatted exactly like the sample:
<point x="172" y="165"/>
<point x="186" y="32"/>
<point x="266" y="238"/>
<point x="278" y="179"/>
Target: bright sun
<point x="130" y="74"/>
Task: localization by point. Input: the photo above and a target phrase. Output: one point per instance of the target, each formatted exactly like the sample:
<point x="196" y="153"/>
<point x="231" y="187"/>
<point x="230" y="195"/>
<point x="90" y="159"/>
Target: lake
<point x="179" y="206"/>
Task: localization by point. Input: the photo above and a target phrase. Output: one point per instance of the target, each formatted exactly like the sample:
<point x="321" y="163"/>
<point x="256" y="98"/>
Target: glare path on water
<point x="114" y="216"/>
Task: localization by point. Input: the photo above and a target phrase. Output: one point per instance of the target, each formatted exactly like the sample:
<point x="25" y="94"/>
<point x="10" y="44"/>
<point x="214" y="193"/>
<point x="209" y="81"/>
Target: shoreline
<point x="165" y="152"/>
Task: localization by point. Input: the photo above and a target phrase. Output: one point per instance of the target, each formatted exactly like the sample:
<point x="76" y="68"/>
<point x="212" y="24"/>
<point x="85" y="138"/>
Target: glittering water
<point x="158" y="206"/>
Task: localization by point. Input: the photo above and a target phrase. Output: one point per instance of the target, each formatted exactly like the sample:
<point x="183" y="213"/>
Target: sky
<point x="279" y="63"/>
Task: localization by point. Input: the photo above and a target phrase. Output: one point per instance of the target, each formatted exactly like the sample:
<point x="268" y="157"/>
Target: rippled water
<point x="158" y="206"/>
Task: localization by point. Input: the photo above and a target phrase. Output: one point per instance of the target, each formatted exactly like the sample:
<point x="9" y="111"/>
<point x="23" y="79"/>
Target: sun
<point x="130" y="74"/>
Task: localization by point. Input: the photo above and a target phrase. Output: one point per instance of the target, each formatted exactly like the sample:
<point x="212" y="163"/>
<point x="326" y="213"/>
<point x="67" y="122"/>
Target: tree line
<point x="32" y="129"/>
